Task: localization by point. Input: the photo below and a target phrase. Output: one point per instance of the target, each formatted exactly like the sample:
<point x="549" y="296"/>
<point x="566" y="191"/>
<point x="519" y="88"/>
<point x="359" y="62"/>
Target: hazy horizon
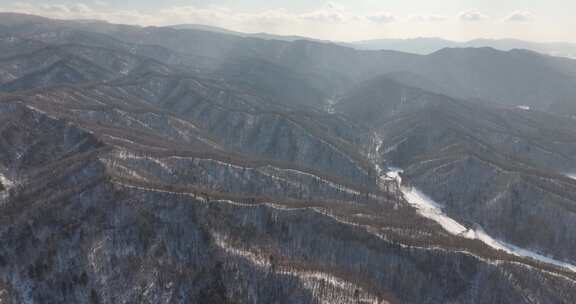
<point x="344" y="20"/>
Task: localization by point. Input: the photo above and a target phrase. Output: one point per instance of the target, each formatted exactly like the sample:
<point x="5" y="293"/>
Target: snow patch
<point x="330" y="106"/>
<point x="524" y="107"/>
<point x="327" y="182"/>
<point x="6" y="182"/>
<point x="481" y="235"/>
<point x="430" y="209"/>
<point x="126" y="155"/>
<point x="311" y="279"/>
<point x="38" y="110"/>
<point x="255" y="259"/>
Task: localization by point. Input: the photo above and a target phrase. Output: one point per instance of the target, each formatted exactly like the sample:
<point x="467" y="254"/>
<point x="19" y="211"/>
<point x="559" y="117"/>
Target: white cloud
<point x="473" y="16"/>
<point x="520" y="16"/>
<point x="329" y="16"/>
<point x="381" y="17"/>
<point x="83" y="11"/>
<point x="328" y="21"/>
<point x="330" y="13"/>
<point x="100" y="3"/>
<point x="335" y="6"/>
<point x="428" y="18"/>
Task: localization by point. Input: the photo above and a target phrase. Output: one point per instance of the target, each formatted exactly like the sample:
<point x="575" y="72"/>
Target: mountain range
<point x="429" y="45"/>
<point x="420" y="45"/>
<point x="193" y="165"/>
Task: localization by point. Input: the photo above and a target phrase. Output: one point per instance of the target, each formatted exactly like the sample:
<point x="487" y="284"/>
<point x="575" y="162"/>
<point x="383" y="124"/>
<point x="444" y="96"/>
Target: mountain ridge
<point x="189" y="166"/>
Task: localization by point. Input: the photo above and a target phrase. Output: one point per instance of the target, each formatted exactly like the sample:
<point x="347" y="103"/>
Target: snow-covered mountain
<point x="160" y="165"/>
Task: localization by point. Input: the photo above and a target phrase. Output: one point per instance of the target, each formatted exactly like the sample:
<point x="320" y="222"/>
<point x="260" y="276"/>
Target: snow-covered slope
<point x="432" y="210"/>
<point x="150" y="165"/>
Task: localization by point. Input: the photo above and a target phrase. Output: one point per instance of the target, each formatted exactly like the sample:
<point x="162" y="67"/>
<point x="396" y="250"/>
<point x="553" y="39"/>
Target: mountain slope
<point x="120" y="234"/>
<point x="153" y="165"/>
<point x="500" y="168"/>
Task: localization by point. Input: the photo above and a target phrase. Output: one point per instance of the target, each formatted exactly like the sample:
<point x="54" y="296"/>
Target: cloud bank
<point x="330" y="13"/>
<point x="328" y="21"/>
<point x="520" y="16"/>
<point x="473" y="16"/>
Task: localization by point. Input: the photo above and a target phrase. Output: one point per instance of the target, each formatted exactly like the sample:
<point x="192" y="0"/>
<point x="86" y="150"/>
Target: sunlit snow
<point x="524" y="107"/>
<point x="330" y="106"/>
<point x="429" y="209"/>
<point x="432" y="210"/>
<point x="5" y="181"/>
<point x="7" y="184"/>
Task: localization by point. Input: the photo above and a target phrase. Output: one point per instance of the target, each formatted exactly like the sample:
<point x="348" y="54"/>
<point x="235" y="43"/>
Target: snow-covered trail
<point x="430" y="209"/>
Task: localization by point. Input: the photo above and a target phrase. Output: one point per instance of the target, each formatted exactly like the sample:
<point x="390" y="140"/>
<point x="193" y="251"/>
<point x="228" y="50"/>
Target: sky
<point x="340" y="20"/>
